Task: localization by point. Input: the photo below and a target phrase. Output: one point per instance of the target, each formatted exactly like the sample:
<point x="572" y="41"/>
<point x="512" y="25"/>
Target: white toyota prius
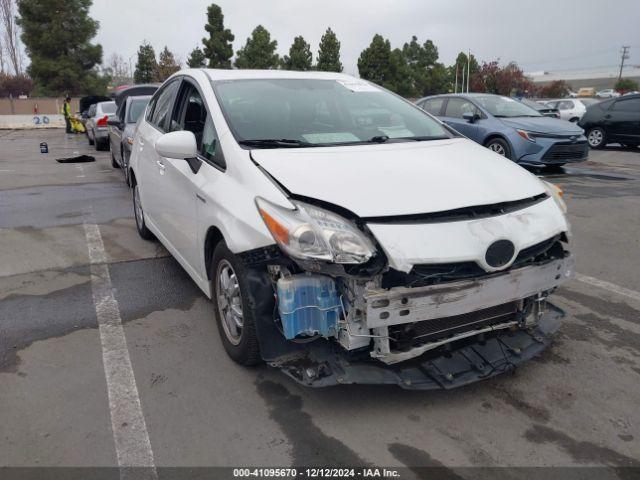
<point x="343" y="234"/>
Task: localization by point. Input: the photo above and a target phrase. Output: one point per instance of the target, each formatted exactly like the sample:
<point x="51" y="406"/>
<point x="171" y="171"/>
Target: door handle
<point x="160" y="164"/>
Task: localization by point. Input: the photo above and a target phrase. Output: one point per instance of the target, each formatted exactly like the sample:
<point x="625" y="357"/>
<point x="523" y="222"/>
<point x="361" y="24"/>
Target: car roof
<point x="99" y="104"/>
<point x="224" y="74"/>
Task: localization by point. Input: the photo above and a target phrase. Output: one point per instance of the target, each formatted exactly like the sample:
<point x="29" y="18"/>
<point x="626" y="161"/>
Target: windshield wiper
<point x="276" y="143"/>
<point x="424" y="138"/>
<point x="378" y="139"/>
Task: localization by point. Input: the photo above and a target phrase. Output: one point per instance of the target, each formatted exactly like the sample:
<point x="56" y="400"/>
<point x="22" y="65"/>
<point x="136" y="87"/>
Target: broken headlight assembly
<point x="309" y="232"/>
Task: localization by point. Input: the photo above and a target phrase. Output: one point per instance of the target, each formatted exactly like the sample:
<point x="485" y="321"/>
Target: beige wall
<point x="46" y="106"/>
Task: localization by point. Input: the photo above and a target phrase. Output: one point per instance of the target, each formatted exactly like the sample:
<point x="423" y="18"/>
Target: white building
<point x="598" y="78"/>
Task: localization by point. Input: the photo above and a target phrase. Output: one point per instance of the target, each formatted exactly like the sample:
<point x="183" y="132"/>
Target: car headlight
<point x="526" y="135"/>
<point x="310" y="232"/>
<point x="557" y="194"/>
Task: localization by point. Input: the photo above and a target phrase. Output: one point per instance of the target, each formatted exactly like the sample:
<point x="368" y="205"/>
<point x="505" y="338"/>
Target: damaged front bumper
<point x="459" y="363"/>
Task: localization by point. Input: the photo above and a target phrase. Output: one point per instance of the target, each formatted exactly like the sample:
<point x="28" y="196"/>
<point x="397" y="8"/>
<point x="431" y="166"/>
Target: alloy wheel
<point x="499" y="149"/>
<point x="595" y="137"/>
<point x="229" y="302"/>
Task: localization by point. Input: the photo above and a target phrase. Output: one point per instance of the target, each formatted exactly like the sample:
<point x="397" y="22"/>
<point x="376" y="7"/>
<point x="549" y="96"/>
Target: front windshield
<point x="309" y="112"/>
<point x="136" y="108"/>
<point x="504" y="107"/>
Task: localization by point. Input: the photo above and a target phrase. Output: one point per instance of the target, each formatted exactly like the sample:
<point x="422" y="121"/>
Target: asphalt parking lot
<point x="576" y="405"/>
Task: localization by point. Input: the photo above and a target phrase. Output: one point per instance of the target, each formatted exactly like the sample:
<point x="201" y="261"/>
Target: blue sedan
<point x="510" y="128"/>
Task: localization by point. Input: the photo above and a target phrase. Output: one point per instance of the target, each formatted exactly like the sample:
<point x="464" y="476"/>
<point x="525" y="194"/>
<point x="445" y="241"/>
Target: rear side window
<point x="108" y="108"/>
<point x="631" y="105"/>
<point x="161" y="113"/>
<point x="457" y="107"/>
<point x="433" y="105"/>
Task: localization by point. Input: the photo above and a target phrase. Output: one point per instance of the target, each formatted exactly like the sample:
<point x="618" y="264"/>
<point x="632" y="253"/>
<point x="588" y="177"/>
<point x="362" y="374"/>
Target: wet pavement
<point x="576" y="405"/>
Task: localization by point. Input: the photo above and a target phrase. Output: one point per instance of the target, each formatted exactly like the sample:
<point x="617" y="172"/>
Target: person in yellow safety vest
<point x="66" y="111"/>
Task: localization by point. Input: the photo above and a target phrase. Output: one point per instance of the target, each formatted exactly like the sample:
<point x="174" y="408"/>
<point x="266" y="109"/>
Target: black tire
<point x="114" y="164"/>
<point x="499" y="146"/>
<point x="143" y="231"/>
<point x="242" y="348"/>
<point x="596" y="137"/>
<point x="91" y="140"/>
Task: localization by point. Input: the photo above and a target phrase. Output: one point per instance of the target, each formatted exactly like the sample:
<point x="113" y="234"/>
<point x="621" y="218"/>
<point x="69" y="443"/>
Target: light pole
<point x="130" y="68"/>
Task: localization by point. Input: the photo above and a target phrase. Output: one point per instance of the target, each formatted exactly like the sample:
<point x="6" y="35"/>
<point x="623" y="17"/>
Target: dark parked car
<point x="613" y="121"/>
<point x="121" y="130"/>
<point x="546" y="110"/>
<point x="130" y="103"/>
<point x="510" y="128"/>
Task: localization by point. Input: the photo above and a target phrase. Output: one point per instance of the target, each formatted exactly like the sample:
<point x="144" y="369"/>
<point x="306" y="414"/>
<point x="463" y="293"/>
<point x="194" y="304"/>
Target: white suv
<point x="345" y="235"/>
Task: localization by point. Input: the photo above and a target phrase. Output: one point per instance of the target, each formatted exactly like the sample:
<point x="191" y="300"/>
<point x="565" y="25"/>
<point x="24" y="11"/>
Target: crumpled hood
<point x="543" y="125"/>
<point x="400" y="178"/>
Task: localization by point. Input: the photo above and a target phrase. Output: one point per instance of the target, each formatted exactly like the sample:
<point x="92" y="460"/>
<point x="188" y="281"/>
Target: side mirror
<point x="180" y="145"/>
<point x="470" y="117"/>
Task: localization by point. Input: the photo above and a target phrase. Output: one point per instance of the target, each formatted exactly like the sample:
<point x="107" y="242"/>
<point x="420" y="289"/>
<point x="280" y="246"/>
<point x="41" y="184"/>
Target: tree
<point x="57" y="35"/>
<point x="197" y="58"/>
<point x="11" y="35"/>
<point x="167" y="65"/>
<point x="329" y="53"/>
<point x="118" y="70"/>
<point x="387" y="68"/>
<point x="555" y="89"/>
<point x="426" y="75"/>
<point x="508" y="80"/>
<point x="259" y="51"/>
<point x="15" y="85"/>
<point x="626" y="85"/>
<point x="146" y="66"/>
<point x="218" y="47"/>
<point x="300" y="57"/>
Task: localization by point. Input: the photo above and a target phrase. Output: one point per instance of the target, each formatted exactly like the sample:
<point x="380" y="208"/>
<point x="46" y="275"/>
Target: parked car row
<point x="323" y="215"/>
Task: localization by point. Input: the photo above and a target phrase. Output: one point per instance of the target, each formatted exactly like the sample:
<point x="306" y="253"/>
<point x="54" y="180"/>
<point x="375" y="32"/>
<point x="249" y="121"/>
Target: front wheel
<point x="596" y="137"/>
<point x="234" y="311"/>
<point x="91" y="140"/>
<point x="500" y="146"/>
<point x="143" y="231"/>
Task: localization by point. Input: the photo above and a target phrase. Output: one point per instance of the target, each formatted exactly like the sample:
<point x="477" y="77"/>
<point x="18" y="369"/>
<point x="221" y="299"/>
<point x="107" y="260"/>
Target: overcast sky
<point x="539" y="34"/>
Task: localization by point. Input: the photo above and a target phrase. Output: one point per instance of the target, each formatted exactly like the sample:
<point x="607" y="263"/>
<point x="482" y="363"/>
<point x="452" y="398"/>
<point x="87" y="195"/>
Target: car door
<point x="624" y="120"/>
<point x="179" y="220"/>
<point x="454" y="110"/>
<point x="151" y="167"/>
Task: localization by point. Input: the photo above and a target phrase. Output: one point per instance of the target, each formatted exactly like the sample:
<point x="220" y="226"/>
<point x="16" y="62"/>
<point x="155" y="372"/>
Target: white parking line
<point x="612" y="287"/>
<point x="130" y="435"/>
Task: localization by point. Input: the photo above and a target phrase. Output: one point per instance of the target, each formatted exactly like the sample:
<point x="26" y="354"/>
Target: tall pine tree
<point x="300" y="57"/>
<point x="57" y="37"/>
<point x="197" y="58"/>
<point x="329" y="53"/>
<point x="167" y="65"/>
<point x="259" y="51"/>
<point x="146" y="66"/>
<point x="377" y="64"/>
<point x="217" y="48"/>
